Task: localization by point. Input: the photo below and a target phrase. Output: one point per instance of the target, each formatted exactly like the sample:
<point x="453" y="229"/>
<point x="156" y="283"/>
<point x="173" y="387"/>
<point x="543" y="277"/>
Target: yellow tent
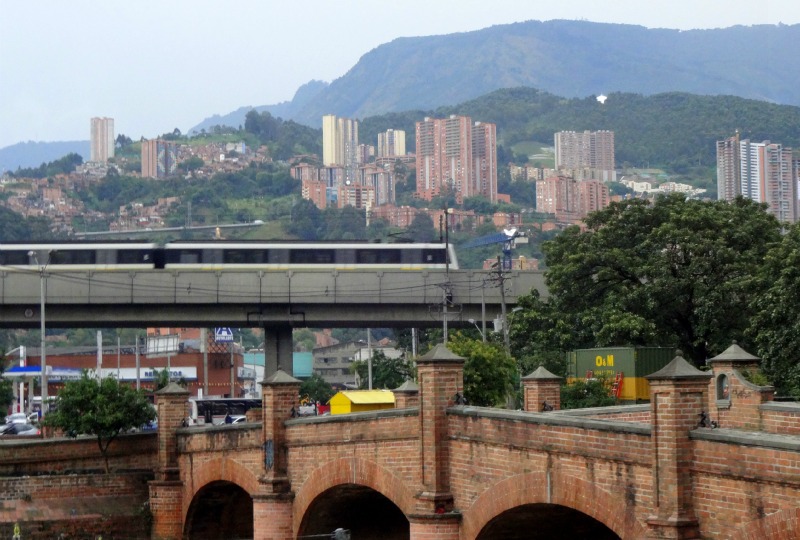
<point x="348" y="401"/>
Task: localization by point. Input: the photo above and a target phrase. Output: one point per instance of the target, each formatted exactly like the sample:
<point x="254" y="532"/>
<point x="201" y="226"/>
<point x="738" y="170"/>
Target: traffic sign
<point x="222" y="335"/>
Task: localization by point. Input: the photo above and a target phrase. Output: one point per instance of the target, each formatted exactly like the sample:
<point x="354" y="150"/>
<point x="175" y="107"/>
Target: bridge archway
<point x="532" y="521"/>
<point x="219" y="511"/>
<point x="780" y="524"/>
<point x="213" y="482"/>
<point x="523" y="498"/>
<point x="355" y="481"/>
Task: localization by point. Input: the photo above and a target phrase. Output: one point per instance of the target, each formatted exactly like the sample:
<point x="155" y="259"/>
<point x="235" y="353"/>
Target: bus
<point x="214" y="410"/>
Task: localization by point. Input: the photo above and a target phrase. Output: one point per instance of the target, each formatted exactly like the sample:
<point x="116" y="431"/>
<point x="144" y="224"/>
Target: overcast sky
<point x="155" y="65"/>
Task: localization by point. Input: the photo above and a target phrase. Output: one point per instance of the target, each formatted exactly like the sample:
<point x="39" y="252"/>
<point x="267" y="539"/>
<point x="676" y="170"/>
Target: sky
<point x="155" y="65"/>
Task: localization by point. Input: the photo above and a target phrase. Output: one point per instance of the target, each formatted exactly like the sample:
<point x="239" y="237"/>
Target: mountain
<point x="566" y="58"/>
<point x="286" y="109"/>
<point x="33" y="154"/>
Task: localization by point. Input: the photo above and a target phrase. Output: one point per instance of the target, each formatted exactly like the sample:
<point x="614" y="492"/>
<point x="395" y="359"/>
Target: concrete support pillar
<point x="678" y="397"/>
<point x="166" y="491"/>
<point x="278" y="347"/>
<point x="542" y="391"/>
<point x="440" y="374"/>
<point x="406" y="395"/>
<point x="272" y="507"/>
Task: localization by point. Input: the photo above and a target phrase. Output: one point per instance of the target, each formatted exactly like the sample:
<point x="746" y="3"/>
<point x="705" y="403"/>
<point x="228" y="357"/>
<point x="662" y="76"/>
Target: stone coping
<point x="781" y="406"/>
<point x="747" y="438"/>
<point x="353" y="417"/>
<point x="615" y="409"/>
<point x="550" y="419"/>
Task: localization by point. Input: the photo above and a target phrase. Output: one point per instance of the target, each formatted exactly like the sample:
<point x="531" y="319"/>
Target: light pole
<point x="43" y="354"/>
<point x="478" y="328"/>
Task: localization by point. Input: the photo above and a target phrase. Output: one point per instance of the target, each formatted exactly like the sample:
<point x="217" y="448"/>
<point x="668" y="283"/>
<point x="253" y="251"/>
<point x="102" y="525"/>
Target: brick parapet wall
<point x="75" y="505"/>
<point x="620" y="413"/>
<point x="134" y="451"/>
<point x="224" y="438"/>
<point x="739" y="407"/>
<point x="741" y="477"/>
<point x="627" y="442"/>
<point x="391" y="441"/>
<point x="781" y="418"/>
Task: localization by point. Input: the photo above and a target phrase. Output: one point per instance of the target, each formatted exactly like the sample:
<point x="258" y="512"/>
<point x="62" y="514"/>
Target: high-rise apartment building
<point x="159" y="158"/>
<point x="593" y="149"/>
<point x="339" y="140"/>
<point x="728" y="169"/>
<point x="102" y="140"/>
<point x="449" y="161"/>
<point x="392" y="142"/>
<point x="760" y="171"/>
<point x="558" y="195"/>
<point x="484" y="159"/>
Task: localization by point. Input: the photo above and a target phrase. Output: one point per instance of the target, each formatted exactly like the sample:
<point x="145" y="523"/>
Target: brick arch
<point x="570" y="491"/>
<point x="783" y="524"/>
<point x="214" y="470"/>
<point x="351" y="471"/>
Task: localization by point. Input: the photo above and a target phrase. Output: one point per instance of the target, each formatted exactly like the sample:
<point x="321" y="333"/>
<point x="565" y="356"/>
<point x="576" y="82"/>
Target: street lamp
<point x="43" y="354"/>
<point x="478" y="328"/>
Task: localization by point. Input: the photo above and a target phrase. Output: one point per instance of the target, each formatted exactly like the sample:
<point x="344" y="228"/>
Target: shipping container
<point x="625" y="365"/>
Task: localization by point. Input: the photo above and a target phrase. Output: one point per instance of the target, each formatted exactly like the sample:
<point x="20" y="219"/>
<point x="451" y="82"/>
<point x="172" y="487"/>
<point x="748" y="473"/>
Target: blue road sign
<point x="222" y="335"/>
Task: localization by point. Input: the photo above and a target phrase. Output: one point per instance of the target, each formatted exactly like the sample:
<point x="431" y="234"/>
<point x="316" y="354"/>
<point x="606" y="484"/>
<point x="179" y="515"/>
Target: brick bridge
<point x="711" y="456"/>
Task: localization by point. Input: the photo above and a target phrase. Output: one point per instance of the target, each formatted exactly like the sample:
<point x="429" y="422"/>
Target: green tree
<point x="317" y="389"/>
<point x="103" y="408"/>
<point x="386" y="372"/>
<point x="775" y="315"/>
<point x="6" y="390"/>
<point x="582" y="394"/>
<point x="489" y="373"/>
<point x="673" y="272"/>
<point x="421" y="228"/>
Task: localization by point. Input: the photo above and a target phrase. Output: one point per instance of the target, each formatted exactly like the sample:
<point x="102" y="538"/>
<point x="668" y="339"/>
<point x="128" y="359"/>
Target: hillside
<point x="565" y="58"/>
<point x="33" y="154"/>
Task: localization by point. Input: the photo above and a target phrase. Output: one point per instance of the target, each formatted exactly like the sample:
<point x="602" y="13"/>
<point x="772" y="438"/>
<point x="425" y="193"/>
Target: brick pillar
<point x="733" y="401"/>
<point x="542" y="391"/>
<point x="441" y="376"/>
<point x="278" y="349"/>
<point x="406" y="395"/>
<point x="677" y="400"/>
<point x="272" y="508"/>
<point x="166" y="491"/>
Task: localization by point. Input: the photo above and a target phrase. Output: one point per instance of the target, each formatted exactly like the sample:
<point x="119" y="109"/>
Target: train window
<point x="15" y="257"/>
<point x="183" y="256"/>
<point x="312" y="256"/>
<point x="433" y="256"/>
<point x="134" y="256"/>
<point x="73" y="256"/>
<point x="378" y="256"/>
<point x="245" y="256"/>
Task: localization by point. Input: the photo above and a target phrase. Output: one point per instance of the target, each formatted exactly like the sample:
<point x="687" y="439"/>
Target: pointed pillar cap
<point x="408" y="386"/>
<point x="735" y="354"/>
<point x="173" y="389"/>
<point x="679" y="368"/>
<point x="440" y="354"/>
<point x="541" y="374"/>
<point x="280" y="377"/>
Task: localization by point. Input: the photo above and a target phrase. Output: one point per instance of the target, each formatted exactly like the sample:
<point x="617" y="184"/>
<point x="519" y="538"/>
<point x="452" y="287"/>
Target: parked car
<point x="20" y="430"/>
<point x="22" y="418"/>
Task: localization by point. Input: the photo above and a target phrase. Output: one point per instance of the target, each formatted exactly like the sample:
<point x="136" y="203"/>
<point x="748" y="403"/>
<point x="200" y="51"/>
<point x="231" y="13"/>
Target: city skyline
<point x="66" y="64"/>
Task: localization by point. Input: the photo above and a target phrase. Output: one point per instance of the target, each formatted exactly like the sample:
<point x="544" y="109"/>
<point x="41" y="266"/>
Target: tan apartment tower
<point x="593" y="149"/>
<point x="392" y="142"/>
<point x="159" y="158"/>
<point x="484" y="159"/>
<point x="101" y="139"/>
<point x="728" y="171"/>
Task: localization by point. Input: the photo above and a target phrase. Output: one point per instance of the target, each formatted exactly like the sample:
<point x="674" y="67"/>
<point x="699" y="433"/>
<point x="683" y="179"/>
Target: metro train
<point x="219" y="255"/>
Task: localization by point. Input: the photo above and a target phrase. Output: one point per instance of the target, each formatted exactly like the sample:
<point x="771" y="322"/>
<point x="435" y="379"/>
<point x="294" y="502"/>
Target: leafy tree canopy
<point x="103" y="408"/>
<point x="386" y="372"/>
<point x="317" y="389"/>
<point x="675" y="272"/>
<point x="489" y="373"/>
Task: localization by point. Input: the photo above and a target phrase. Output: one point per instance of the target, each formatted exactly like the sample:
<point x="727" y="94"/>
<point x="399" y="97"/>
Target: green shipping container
<point x="624" y="366"/>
